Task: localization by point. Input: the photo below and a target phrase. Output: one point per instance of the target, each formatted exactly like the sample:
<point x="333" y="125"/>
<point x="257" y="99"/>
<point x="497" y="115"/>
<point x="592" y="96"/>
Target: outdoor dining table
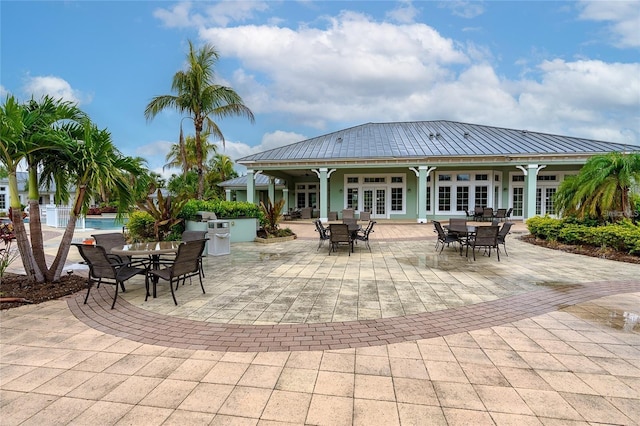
<point x="463" y="233"/>
<point x="152" y="249"/>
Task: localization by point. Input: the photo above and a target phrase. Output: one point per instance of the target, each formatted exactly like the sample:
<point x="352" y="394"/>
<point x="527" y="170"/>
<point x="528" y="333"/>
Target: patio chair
<point x="364" y="235"/>
<point x="487" y="213"/>
<point x="192" y="236"/>
<point x="485" y="236"/>
<point x="339" y="235"/>
<point x="322" y="232"/>
<point x="443" y="236"/>
<point x="107" y="268"/>
<point x="508" y="215"/>
<point x="500" y="215"/>
<point x="333" y="216"/>
<point x="117" y="239"/>
<point x="306" y="213"/>
<point x="477" y="213"/>
<point x="502" y="235"/>
<point x="185" y="265"/>
<point x="348" y="214"/>
<point x="365" y="215"/>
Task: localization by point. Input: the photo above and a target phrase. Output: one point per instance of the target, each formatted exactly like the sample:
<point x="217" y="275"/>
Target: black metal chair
<point x="443" y="236"/>
<point x="485" y="236"/>
<point x="117" y="239"/>
<point x="508" y="215"/>
<point x="107" y="268"/>
<point x="502" y="235"/>
<point x="322" y="232"/>
<point x="500" y="215"/>
<point x="339" y="235"/>
<point x="185" y="265"/>
<point x="364" y="235"/>
<point x="193" y="236"/>
<point x="487" y="213"/>
<point x="477" y="213"/>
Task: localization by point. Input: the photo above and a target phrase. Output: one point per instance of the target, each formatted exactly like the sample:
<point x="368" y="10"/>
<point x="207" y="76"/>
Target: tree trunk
<point x="55" y="272"/>
<point x="34" y="274"/>
<point x="35" y="231"/>
<point x="199" y="160"/>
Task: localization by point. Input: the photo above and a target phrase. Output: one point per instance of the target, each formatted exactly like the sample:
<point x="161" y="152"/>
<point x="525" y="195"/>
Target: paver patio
<point x="289" y="335"/>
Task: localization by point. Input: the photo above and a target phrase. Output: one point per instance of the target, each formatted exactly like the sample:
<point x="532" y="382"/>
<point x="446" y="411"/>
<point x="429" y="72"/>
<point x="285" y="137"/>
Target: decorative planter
<point x="275" y="239"/>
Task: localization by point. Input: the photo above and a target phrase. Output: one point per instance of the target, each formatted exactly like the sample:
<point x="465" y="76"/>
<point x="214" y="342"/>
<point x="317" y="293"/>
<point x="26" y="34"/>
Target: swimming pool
<point x="104" y="223"/>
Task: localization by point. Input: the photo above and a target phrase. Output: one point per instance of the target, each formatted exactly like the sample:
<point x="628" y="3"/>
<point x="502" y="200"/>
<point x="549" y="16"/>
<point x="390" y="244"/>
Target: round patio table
<point x="151" y="249"/>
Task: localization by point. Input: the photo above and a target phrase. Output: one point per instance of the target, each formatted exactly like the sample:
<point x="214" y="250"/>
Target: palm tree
<point x="199" y="97"/>
<point x="185" y="156"/>
<point x="222" y="165"/>
<point x="93" y="162"/>
<point x="603" y="185"/>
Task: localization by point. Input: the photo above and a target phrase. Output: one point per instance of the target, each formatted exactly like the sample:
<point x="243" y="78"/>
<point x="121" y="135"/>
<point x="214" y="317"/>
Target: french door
<point x="375" y="201"/>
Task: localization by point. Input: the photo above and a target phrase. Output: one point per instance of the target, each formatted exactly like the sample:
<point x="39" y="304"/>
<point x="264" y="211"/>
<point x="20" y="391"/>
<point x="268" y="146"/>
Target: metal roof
<point x="423" y="139"/>
<point x="241" y="181"/>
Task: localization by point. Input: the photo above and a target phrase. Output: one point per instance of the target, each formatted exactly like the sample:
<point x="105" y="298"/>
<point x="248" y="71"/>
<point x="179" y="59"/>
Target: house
<point x="425" y="170"/>
<point x="264" y="189"/>
<point x="46" y="195"/>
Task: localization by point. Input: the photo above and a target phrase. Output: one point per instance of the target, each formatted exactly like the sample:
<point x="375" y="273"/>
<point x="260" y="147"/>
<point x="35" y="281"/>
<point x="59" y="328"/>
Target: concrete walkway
<point x="287" y="334"/>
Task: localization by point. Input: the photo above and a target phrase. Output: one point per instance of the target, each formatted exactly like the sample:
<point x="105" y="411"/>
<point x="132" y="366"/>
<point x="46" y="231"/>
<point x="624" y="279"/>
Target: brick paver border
<point x="143" y="326"/>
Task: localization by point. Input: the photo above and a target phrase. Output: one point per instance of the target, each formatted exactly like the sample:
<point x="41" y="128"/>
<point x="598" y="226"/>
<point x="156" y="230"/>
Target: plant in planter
<point x="165" y="213"/>
<point x="272" y="216"/>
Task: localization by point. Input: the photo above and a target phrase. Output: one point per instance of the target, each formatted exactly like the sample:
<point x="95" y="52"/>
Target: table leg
<point x="155" y="262"/>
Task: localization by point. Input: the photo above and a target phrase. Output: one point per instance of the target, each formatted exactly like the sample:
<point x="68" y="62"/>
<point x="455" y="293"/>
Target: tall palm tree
<point x="603" y="184"/>
<point x="93" y="162"/>
<point x="200" y="98"/>
<point x="56" y="119"/>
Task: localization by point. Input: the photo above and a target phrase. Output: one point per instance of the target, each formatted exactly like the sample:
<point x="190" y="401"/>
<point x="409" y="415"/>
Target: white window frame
<point x="361" y="186"/>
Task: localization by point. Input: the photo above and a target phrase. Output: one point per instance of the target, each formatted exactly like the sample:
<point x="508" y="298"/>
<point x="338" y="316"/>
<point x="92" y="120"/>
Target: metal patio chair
<point x="339" y="235"/>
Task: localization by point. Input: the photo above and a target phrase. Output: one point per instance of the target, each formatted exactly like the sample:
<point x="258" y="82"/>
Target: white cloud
<point x="56" y="87"/>
<point x="3" y="91"/>
<point x="330" y="77"/>
<point x="464" y="9"/>
<point x="405" y="13"/>
<point x="181" y="15"/>
<point x="623" y="16"/>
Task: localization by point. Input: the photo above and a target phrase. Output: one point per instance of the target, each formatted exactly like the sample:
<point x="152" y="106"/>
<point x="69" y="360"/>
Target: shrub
<point x="140" y="226"/>
<point x="623" y="236"/>
<point x="222" y="209"/>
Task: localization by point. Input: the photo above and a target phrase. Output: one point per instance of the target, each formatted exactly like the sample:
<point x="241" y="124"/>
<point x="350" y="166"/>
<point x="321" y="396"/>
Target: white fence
<point x="58" y="216"/>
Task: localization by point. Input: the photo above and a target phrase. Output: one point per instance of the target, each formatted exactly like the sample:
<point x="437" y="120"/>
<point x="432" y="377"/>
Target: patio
<point x="285" y="333"/>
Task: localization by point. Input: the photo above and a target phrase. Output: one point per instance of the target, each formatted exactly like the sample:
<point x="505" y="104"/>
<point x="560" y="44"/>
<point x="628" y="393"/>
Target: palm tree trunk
<point x="55" y="272"/>
<point x="35" y="231"/>
<point x="199" y="162"/>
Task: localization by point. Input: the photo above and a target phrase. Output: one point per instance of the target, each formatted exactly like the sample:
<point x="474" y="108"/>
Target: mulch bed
<point x="17" y="286"/>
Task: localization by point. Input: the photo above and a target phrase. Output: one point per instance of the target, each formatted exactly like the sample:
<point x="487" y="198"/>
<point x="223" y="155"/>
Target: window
<point x="352" y="198"/>
<point x="3" y="201"/>
<point x="496" y="178"/>
<point x="396" y="199"/>
<point x="518" y="201"/>
<point x="462" y="198"/>
<point x="396" y="179"/>
<point x="546" y="178"/>
<point x="444" y="198"/>
<point x="307" y="195"/>
<point x="463" y="177"/>
<point x="301" y="198"/>
<point x="517" y="178"/>
<point x="481" y="196"/>
<point x="444" y="178"/>
<point x="482" y="177"/>
<point x="378" y="179"/>
<point x="352" y="180"/>
<point x="428" y="198"/>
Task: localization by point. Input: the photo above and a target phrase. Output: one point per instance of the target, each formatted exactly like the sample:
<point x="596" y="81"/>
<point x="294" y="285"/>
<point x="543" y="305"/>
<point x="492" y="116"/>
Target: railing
<point x="58" y="216"/>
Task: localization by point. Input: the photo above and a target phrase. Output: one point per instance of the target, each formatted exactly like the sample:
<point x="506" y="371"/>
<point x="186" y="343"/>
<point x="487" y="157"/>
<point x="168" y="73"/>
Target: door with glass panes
<point x="375" y="201"/>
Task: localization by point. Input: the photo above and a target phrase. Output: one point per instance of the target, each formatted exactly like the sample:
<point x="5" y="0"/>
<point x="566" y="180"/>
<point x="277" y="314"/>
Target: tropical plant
<point x="200" y="98"/>
<point x="185" y="157"/>
<point x="603" y="185"/>
<point x="165" y="212"/>
<point x="272" y="215"/>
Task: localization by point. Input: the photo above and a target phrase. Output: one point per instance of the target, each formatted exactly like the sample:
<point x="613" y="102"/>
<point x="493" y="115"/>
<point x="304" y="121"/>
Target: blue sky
<point x="306" y="68"/>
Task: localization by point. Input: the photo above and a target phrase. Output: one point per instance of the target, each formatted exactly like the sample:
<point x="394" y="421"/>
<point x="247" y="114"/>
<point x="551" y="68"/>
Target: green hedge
<point x="222" y="209"/>
<point x="623" y="236"/>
